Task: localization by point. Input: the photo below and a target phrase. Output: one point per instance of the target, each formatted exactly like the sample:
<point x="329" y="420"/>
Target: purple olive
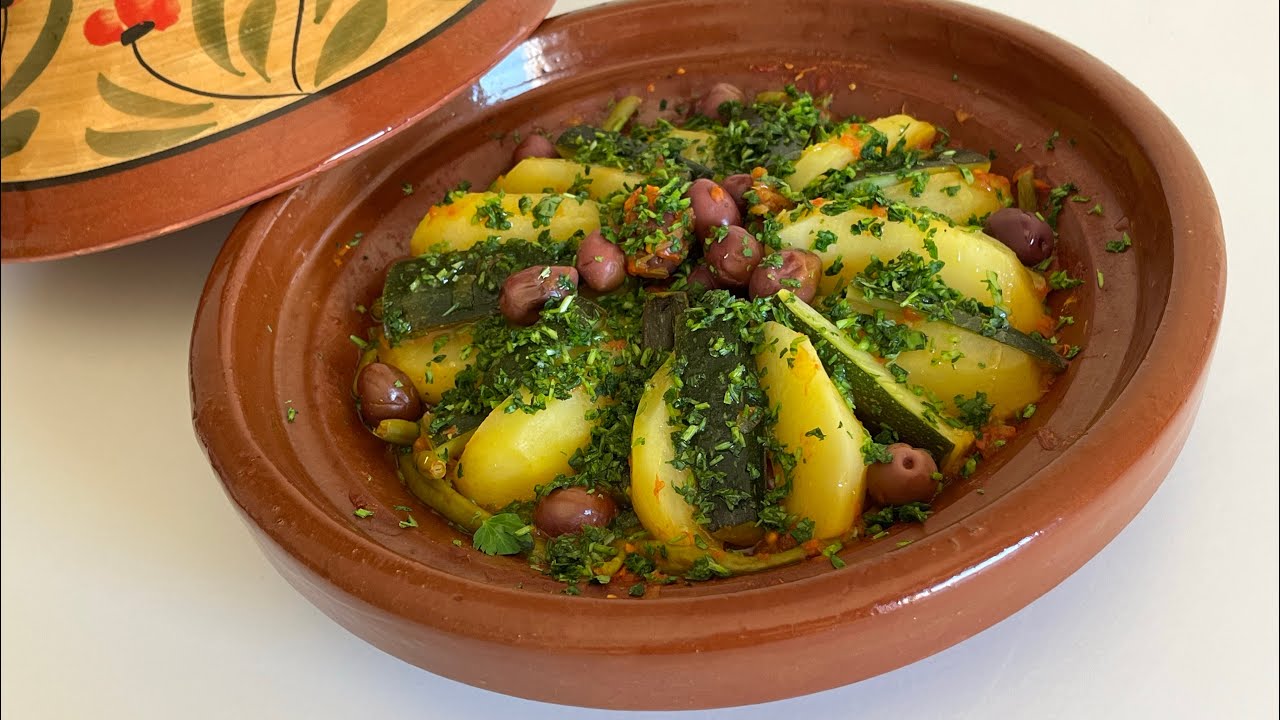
<point x="1024" y="233"/>
<point x="734" y="257"/>
<point x="712" y="207"/>
<point x="386" y="393"/>
<point x="702" y="278"/>
<point x="794" y="270"/>
<point x="601" y="264"/>
<point x="535" y="145"/>
<point x="568" y="509"/>
<point x="737" y="187"/>
<point x="719" y="94"/>
<point x="525" y="293"/>
<point x="906" y="478"/>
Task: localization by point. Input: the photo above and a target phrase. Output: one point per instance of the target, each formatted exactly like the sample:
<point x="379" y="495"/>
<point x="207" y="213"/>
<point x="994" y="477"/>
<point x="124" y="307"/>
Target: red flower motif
<point x="106" y="25"/>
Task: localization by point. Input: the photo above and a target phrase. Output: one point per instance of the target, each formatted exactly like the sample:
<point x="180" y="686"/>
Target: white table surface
<point x="132" y="590"/>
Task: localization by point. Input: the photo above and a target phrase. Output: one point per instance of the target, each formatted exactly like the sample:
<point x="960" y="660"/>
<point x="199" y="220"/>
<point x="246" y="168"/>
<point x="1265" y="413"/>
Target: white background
<point x="131" y="590"/>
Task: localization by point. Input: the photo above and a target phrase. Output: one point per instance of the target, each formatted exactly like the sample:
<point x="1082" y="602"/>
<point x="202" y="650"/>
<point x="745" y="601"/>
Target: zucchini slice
<point x="721" y="406"/>
<point x="662" y="312"/>
<point x="424" y="293"/>
<point x="878" y="399"/>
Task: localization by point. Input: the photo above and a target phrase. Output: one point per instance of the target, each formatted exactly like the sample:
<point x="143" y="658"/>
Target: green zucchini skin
<point x="878" y="399"/>
<point x="1013" y="337"/>
<point x="426" y="292"/>
<point x="662" y="312"/>
<point x="711" y="358"/>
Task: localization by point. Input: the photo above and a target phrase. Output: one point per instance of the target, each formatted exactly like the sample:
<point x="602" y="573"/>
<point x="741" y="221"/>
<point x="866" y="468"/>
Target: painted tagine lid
<point x="126" y="119"/>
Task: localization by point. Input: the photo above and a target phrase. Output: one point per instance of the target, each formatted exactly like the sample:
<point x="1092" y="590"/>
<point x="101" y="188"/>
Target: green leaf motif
<point x="351" y="36"/>
<point x="134" y="143"/>
<point x="135" y="103"/>
<point x="256" y="24"/>
<point x="41" y="53"/>
<point x="322" y="9"/>
<point x="210" y="22"/>
<point x="16" y="130"/>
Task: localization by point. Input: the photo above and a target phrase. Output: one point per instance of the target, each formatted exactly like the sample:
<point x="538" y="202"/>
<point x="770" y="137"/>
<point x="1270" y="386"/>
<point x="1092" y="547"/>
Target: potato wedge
<point x="957" y="361"/>
<point x="431" y="361"/>
<point x="512" y="453"/>
<point x="662" y="510"/>
<point x="968" y="256"/>
<point x="540" y="175"/>
<point x="821" y="158"/>
<point x="458" y="225"/>
<point x="818" y="429"/>
<point x="952" y="195"/>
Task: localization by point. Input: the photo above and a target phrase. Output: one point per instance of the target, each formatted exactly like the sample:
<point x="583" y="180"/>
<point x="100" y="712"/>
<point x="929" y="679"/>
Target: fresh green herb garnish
<point x="1119" y="246"/>
<point x="503" y="534"/>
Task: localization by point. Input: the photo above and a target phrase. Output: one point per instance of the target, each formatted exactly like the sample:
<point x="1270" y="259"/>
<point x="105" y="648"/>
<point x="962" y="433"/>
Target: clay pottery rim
<point x="272" y="325"/>
<point x="121" y="205"/>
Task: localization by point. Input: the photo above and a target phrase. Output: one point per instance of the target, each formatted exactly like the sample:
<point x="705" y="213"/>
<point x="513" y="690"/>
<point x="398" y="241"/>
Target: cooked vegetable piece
<point x="432" y="361"/>
<point x="952" y="194"/>
<point x="816" y="427"/>
<point x="655" y="480"/>
<point x="441" y="497"/>
<point x="848" y="182"/>
<point x="879" y="400"/>
<point x="474" y="217"/>
<point x="513" y="452"/>
<point x="957" y="361"/>
<point x="1031" y="345"/>
<point x="424" y="293"/>
<point x="540" y="175"/>
<point x="662" y="311"/>
<point x="900" y="131"/>
<point x="720" y="405"/>
<point x="856" y="235"/>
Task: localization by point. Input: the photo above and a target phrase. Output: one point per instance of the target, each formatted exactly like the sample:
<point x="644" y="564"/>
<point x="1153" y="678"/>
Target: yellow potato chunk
<point x="816" y="427"/>
<point x="475" y="216"/>
<point x="431" y="361"/>
<point x="950" y="194"/>
<point x="821" y="158"/>
<point x="961" y="362"/>
<point x="539" y="175"/>
<point x="968" y="256"/>
<point x="661" y="509"/>
<point x="512" y="453"/>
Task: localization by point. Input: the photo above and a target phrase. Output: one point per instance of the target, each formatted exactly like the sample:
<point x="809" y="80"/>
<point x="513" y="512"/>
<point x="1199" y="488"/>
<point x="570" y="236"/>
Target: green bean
<point x="397" y="432"/>
<point x="441" y="497"/>
<point x="1027" y="192"/>
<point x="435" y="461"/>
<point x="679" y="559"/>
<point x="621" y="113"/>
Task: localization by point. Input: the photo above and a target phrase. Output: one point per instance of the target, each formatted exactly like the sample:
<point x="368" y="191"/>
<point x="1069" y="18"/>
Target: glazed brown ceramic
<point x="272" y="330"/>
<point x="136" y="153"/>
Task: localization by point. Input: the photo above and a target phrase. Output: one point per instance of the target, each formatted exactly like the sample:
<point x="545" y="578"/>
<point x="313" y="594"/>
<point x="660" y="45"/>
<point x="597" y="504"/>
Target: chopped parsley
<point x="1119" y="246"/>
